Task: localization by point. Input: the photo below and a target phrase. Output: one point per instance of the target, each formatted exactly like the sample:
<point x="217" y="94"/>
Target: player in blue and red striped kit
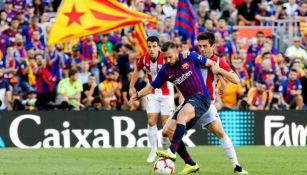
<point x="186" y="75"/>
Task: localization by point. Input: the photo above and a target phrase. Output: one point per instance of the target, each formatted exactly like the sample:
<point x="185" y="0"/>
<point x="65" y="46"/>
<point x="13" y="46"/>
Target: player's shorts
<point x="201" y="105"/>
<point x="158" y="103"/>
<point x="208" y="117"/>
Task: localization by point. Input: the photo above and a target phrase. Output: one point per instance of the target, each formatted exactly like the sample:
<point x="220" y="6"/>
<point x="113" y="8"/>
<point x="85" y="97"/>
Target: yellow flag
<point x="77" y="18"/>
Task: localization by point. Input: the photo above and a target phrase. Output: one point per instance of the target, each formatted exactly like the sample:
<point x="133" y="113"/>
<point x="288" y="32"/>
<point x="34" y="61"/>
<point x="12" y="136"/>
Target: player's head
<point x="169" y="53"/>
<point x="206" y="44"/>
<point x="153" y="47"/>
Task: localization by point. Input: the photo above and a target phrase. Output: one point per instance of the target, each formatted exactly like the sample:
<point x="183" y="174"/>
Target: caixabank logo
<point x="122" y="133"/>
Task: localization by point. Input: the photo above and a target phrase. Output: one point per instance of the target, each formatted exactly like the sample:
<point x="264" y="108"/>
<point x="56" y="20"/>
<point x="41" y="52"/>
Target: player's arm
<point x="157" y="83"/>
<point x="133" y="80"/>
<point x="200" y="60"/>
<point x="229" y="75"/>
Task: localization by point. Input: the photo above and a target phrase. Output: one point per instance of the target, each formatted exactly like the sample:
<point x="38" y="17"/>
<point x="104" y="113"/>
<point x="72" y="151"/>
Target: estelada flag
<point x="77" y="18"/>
<point x="139" y="35"/>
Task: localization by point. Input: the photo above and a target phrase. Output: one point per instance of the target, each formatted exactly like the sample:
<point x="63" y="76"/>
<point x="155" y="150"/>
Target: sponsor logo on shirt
<point x="183" y="77"/>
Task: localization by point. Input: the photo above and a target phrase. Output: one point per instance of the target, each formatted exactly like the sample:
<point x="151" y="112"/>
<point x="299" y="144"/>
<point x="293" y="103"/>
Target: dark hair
<point x="266" y="53"/>
<point x="167" y="46"/>
<point x="128" y="46"/>
<point x="117" y="47"/>
<point x="72" y="72"/>
<point x="92" y="75"/>
<point x="38" y="54"/>
<point x="293" y="70"/>
<point x="269" y="37"/>
<point x="260" y="33"/>
<point x="206" y="36"/>
<point x="235" y="30"/>
<point x="153" y="39"/>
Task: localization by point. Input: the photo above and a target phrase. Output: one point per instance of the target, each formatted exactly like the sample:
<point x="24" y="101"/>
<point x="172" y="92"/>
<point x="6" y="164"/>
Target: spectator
<point x="10" y="64"/>
<point x="84" y="74"/>
<point x="243" y="74"/>
<point x="107" y="91"/>
<point x="297" y="65"/>
<point x="3" y="21"/>
<point x="304" y="86"/>
<point x="8" y="8"/>
<point x="76" y="58"/>
<point x="203" y="8"/>
<point x="281" y="12"/>
<point x="23" y="23"/>
<point x="264" y="16"/>
<point x="301" y="13"/>
<point x="53" y="62"/>
<point x="97" y="105"/>
<point x="44" y="84"/>
<point x="295" y="51"/>
<point x="125" y="96"/>
<point x="272" y="6"/>
<point x="4" y="43"/>
<point x="232" y="45"/>
<point x="246" y="13"/>
<point x="125" y="55"/>
<point x="12" y="31"/>
<point x="36" y="43"/>
<point x="19" y="47"/>
<point x="258" y="98"/>
<point x="223" y="29"/>
<point x="5" y="92"/>
<point x="282" y="68"/>
<point x="291" y="7"/>
<point x="27" y="80"/>
<point x="254" y="49"/>
<point x="90" y="91"/>
<point x="168" y="9"/>
<point x="149" y="6"/>
<point x="209" y="26"/>
<point x="169" y="27"/>
<point x="229" y="99"/>
<point x="291" y="89"/>
<point x="69" y="89"/>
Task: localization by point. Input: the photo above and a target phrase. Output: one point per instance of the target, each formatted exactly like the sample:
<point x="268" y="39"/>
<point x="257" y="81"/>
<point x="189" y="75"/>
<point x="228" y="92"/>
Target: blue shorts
<point x="201" y="105"/>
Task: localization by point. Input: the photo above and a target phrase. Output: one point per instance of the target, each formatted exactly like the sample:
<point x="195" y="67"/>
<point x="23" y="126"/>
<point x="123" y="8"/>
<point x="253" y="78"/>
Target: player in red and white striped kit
<point x="161" y="100"/>
<point x="215" y="126"/>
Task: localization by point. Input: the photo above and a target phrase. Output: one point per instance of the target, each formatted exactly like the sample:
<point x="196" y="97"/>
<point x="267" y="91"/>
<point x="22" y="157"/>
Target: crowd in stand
<point x="93" y="72"/>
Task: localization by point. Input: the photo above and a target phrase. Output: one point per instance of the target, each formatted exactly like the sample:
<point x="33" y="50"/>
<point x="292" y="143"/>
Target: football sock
<point x="229" y="150"/>
<point x="179" y="132"/>
<point x="165" y="143"/>
<point x="153" y="137"/>
<point x="183" y="153"/>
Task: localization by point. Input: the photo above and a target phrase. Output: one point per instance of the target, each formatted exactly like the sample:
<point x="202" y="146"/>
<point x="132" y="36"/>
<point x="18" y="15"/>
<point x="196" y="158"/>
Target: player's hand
<point x="133" y="98"/>
<point x="185" y="54"/>
<point x="131" y="91"/>
<point x="215" y="69"/>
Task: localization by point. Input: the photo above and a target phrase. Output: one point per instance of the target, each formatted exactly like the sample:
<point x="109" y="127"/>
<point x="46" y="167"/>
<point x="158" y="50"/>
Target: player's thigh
<point x="186" y="114"/>
<point x="153" y="104"/>
<point x="216" y="128"/>
<point x="209" y="116"/>
<point x="169" y="127"/>
<point x="166" y="106"/>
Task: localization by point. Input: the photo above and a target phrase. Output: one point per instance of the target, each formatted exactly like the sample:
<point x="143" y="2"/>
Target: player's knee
<point x="152" y="122"/>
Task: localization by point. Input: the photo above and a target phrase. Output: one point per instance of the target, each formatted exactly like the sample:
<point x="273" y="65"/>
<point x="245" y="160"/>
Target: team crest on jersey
<point x="185" y="66"/>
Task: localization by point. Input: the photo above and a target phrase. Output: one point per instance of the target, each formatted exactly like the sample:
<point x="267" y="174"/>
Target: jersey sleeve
<point x="160" y="79"/>
<point x="197" y="59"/>
<point x="224" y="65"/>
<point x="140" y="63"/>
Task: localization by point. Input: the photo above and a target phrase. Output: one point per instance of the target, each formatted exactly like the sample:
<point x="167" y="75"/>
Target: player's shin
<point x="179" y="132"/>
<point x="229" y="150"/>
<point x="183" y="153"/>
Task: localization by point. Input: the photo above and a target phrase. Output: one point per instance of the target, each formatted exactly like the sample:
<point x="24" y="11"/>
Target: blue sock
<point x="183" y="153"/>
<point x="179" y="132"/>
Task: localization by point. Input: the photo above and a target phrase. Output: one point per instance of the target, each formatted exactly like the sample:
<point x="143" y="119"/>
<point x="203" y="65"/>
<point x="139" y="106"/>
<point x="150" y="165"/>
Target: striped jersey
<point x="211" y="79"/>
<point x="185" y="74"/>
<point x="152" y="68"/>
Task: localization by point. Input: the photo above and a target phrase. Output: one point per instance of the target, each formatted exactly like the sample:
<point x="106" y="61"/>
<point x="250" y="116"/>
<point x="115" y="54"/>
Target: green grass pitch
<point x="258" y="160"/>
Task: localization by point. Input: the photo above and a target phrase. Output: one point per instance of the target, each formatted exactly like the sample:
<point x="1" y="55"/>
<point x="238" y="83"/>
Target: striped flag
<point x="76" y="18"/>
<point x="186" y="20"/>
<point x="140" y="36"/>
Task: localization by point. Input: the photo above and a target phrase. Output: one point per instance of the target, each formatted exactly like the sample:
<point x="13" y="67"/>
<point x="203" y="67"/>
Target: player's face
<point x="170" y="56"/>
<point x="205" y="49"/>
<point x="153" y="49"/>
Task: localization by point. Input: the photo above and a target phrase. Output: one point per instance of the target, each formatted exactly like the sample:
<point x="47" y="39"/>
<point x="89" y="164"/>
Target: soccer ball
<point x="164" y="166"/>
